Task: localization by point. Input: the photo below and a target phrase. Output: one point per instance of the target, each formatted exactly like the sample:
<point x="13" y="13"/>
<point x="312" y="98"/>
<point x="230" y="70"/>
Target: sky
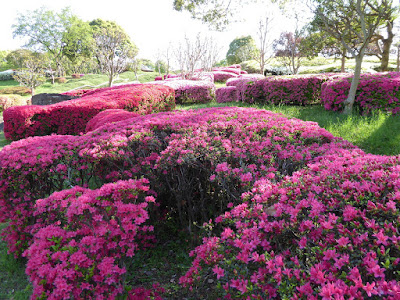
<point x="152" y="25"/>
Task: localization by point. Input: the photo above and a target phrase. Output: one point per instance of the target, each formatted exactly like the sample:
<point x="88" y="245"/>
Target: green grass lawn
<point x="377" y="134"/>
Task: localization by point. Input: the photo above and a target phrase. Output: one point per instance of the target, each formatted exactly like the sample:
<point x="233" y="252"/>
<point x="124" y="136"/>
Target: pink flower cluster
<point x="82" y="239"/>
<point x="190" y="91"/>
<point x="71" y="117"/>
<point x="302" y="214"/>
<point x="222" y="74"/>
<point x="109" y="116"/>
<point x="226" y="94"/>
<point x="329" y="231"/>
<point x="288" y="90"/>
<point x="378" y="91"/>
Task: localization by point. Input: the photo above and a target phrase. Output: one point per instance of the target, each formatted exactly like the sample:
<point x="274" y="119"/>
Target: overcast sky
<point x="151" y="24"/>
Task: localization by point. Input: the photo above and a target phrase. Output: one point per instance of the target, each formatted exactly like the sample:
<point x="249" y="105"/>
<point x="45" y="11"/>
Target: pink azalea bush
<point x="299" y="213"/>
<point x="109" y="116"/>
<point x="71" y="117"/>
<point x="329" y="231"/>
<point x="380" y="91"/>
<point x="190" y="91"/>
<point x="288" y="90"/>
<point x="83" y="238"/>
<point x="222" y="144"/>
<point x="226" y="94"/>
<point x="222" y="76"/>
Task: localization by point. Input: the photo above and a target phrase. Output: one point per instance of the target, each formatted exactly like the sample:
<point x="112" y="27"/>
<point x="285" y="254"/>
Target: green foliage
<point x="17" y="58"/>
<point x="250" y="66"/>
<point x="241" y="49"/>
<point x="160" y="67"/>
<point x="78" y="41"/>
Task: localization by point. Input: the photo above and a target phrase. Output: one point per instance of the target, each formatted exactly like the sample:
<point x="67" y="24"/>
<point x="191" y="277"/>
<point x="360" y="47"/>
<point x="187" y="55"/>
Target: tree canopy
<point x="241" y="49"/>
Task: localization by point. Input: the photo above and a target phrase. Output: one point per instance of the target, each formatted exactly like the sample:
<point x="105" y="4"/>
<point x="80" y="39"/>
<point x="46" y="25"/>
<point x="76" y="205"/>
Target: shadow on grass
<point x="3" y="141"/>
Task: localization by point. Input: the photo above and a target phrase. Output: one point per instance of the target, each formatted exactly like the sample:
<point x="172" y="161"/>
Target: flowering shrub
<point x="109" y="116"/>
<point x="221" y="150"/>
<point x="329" y="231"/>
<point x="83" y="237"/>
<point x="289" y="90"/>
<point x="190" y="91"/>
<point x="158" y="78"/>
<point x="221" y="76"/>
<point x="71" y="117"/>
<point x="379" y="91"/>
<point x="235" y="69"/>
<point x="9" y="101"/>
<point x="226" y="94"/>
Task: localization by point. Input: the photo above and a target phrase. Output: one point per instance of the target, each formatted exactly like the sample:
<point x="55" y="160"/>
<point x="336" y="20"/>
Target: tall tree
<point x="241" y="49"/>
<point x="353" y="23"/>
<point x="114" y="49"/>
<point x="290" y="50"/>
<point x="44" y="30"/>
<point x="265" y="41"/>
<point x="78" y="42"/>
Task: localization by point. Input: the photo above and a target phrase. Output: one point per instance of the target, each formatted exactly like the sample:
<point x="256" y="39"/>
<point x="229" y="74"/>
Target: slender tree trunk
<point x="110" y="79"/>
<point x="342" y="67"/>
<point x="348" y="103"/>
<point x="398" y="59"/>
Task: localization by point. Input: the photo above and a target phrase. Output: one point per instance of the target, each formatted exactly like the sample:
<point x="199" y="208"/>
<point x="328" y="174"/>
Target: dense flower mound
<point x="330" y="231"/>
<point x="226" y="94"/>
<point x="378" y="91"/>
<point x="288" y="90"/>
<point x="82" y="239"/>
<point x="109" y="116"/>
<point x="222" y="76"/>
<point x="219" y="150"/>
<point x="235" y="69"/>
<point x="71" y="117"/>
<point x="190" y="91"/>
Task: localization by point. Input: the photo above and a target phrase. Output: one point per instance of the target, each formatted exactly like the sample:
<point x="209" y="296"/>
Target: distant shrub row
<point x="378" y="91"/>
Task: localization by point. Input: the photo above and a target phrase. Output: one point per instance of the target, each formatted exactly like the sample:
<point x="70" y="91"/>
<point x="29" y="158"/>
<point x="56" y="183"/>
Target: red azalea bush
<point x="82" y="239"/>
<point x="329" y="231"/>
<point x="380" y="91"/>
<point x="223" y="150"/>
<point x="226" y="94"/>
<point x="288" y="90"/>
<point x="190" y="91"/>
<point x="71" y="117"/>
<point x="109" y="116"/>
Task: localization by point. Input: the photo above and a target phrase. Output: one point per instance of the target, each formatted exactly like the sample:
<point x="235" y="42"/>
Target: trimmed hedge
<point x="71" y="117"/>
<point x="190" y="91"/>
<point x="109" y="116"/>
<point x="377" y="91"/>
<point x="226" y="94"/>
<point x="288" y="90"/>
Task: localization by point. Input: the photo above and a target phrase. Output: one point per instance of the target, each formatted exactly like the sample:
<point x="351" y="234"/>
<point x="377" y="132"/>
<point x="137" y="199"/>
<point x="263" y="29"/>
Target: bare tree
<point x="190" y="55"/>
<point x="357" y="19"/>
<point x="264" y="40"/>
<point x="168" y="56"/>
<point x="210" y="57"/>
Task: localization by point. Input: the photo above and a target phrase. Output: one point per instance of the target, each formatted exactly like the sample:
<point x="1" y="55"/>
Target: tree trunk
<point x="398" y="59"/>
<point x="348" y="103"/>
<point x="343" y="62"/>
<point x="387" y="43"/>
<point x="110" y="79"/>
